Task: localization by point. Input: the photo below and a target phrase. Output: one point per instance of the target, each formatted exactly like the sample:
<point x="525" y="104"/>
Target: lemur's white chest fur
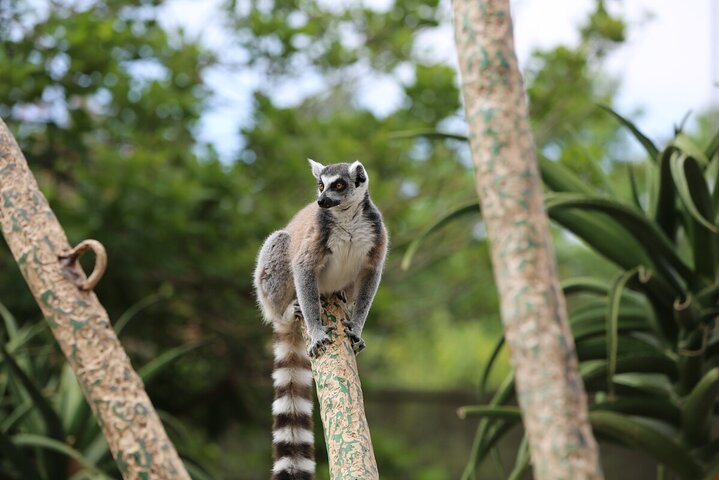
<point x="350" y="240"/>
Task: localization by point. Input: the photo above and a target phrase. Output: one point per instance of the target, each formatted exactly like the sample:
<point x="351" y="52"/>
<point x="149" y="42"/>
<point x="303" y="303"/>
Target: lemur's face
<point x="339" y="185"/>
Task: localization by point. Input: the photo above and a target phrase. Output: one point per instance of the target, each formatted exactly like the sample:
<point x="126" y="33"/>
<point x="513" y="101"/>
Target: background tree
<point x="536" y="328"/>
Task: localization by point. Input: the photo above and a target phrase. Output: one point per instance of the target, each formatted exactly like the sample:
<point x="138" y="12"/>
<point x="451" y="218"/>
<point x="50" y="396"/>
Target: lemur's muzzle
<point x="326" y="202"/>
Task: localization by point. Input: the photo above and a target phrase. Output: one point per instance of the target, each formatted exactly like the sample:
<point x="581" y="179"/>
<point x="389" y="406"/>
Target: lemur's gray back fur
<point x="337" y="244"/>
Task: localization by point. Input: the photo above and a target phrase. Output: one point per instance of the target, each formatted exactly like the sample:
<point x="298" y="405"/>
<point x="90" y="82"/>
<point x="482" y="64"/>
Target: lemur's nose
<point x="323" y="202"/>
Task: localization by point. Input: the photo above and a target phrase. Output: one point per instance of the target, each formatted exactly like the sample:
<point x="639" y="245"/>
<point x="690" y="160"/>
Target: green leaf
<point x="163" y="294"/>
<point x="469" y="208"/>
<point x="490" y="411"/>
<point x="78" y="420"/>
<point x="591" y="320"/>
<point x="662" y="252"/>
<point x="603" y="236"/>
<point x="648" y="145"/>
<point x="38" y="441"/>
<point x="158" y="364"/>
<point x="52" y="422"/>
<point x="428" y="133"/>
<point x="687" y="145"/>
<point x="615" y="298"/>
<point x="595" y="347"/>
<point x="560" y="179"/>
<point x="712" y="147"/>
<point x="9" y="320"/>
<point x="640" y="436"/>
<point x="594" y="372"/>
<point x="646" y="406"/>
<point x="486" y="435"/>
<point x="665" y="213"/>
<point x="693" y="190"/>
<point x="588" y="285"/>
<point x="634" y="188"/>
<point x="698" y="408"/>
<point x="17" y="415"/>
<point x="522" y="463"/>
<point x="486" y="372"/>
<point x="195" y="470"/>
<point x="17" y="457"/>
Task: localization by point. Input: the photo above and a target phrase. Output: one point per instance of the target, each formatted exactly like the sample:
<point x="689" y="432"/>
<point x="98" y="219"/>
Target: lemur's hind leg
<point x="273" y="277"/>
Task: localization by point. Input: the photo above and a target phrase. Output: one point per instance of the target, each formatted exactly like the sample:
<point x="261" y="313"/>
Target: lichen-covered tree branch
<point x="80" y="324"/>
<point x="549" y="388"/>
<point x="339" y="392"/>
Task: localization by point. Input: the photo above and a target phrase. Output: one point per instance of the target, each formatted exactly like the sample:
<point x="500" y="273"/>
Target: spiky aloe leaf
<point x="588" y="285"/>
<point x="698" y="408"/>
<point x="16" y="416"/>
<point x="488" y="432"/>
<point x="594" y="372"/>
<point x="38" y="441"/>
<point x="687" y="145"/>
<point x="693" y="190"/>
<point x="490" y="364"/>
<point x="471" y="208"/>
<point x="665" y="209"/>
<point x="640" y="436"/>
<point x="522" y="462"/>
<point x="662" y="252"/>
<point x="9" y="321"/>
<point x="158" y="364"/>
<point x="53" y="426"/>
<point x="648" y="145"/>
<point x="595" y="348"/>
<point x="490" y="411"/>
<point x="602" y="235"/>
<point x="15" y="456"/>
<point x="615" y="298"/>
<point x="428" y="133"/>
<point x="560" y="179"/>
<point x="634" y="188"/>
<point x="694" y="193"/>
<point x="163" y="293"/>
<point x="589" y="321"/>
<point x="712" y="147"/>
<point x="658" y="408"/>
<point x="52" y="422"/>
<point x="195" y="470"/>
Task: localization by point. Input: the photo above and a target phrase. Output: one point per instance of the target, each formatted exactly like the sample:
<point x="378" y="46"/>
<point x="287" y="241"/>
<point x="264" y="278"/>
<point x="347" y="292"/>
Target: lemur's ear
<point x="358" y="172"/>
<point x="316" y="168"/>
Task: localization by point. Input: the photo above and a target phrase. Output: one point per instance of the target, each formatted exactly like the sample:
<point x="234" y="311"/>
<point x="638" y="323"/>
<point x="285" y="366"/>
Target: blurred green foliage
<point x="106" y="100"/>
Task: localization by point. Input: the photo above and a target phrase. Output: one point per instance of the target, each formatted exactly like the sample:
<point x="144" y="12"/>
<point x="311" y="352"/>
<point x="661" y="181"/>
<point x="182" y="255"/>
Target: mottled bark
<point x="339" y="392"/>
<point x="549" y="388"/>
<point x="80" y="324"/>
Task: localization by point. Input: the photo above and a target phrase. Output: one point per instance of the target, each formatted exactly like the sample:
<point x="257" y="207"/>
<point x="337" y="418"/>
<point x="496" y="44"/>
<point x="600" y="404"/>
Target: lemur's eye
<point x="339" y="186"/>
<point x="321" y="186"/>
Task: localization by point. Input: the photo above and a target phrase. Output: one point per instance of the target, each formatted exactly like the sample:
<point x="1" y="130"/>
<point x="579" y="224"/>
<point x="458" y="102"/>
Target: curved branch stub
<point x="100" y="263"/>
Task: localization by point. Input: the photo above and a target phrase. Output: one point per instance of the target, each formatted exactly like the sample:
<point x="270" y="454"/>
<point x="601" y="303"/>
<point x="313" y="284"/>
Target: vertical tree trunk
<point x="80" y="324"/>
<point x="549" y="389"/>
<point x="339" y="392"/>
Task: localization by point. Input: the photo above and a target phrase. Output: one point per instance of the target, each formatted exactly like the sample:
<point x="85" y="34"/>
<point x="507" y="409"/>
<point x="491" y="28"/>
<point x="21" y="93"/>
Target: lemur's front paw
<point x="351" y="329"/>
<point x="320" y="341"/>
<point x="342" y="295"/>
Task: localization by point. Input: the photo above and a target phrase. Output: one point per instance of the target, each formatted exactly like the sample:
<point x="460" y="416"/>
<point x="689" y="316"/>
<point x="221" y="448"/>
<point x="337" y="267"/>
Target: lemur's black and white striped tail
<point x="292" y="438"/>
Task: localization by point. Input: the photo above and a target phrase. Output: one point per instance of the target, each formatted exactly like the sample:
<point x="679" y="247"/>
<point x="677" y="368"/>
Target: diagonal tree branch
<point x="80" y="324"/>
<point x="549" y="388"/>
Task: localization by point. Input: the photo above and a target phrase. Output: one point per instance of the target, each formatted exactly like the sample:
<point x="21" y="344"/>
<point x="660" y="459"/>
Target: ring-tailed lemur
<point x="335" y="245"/>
